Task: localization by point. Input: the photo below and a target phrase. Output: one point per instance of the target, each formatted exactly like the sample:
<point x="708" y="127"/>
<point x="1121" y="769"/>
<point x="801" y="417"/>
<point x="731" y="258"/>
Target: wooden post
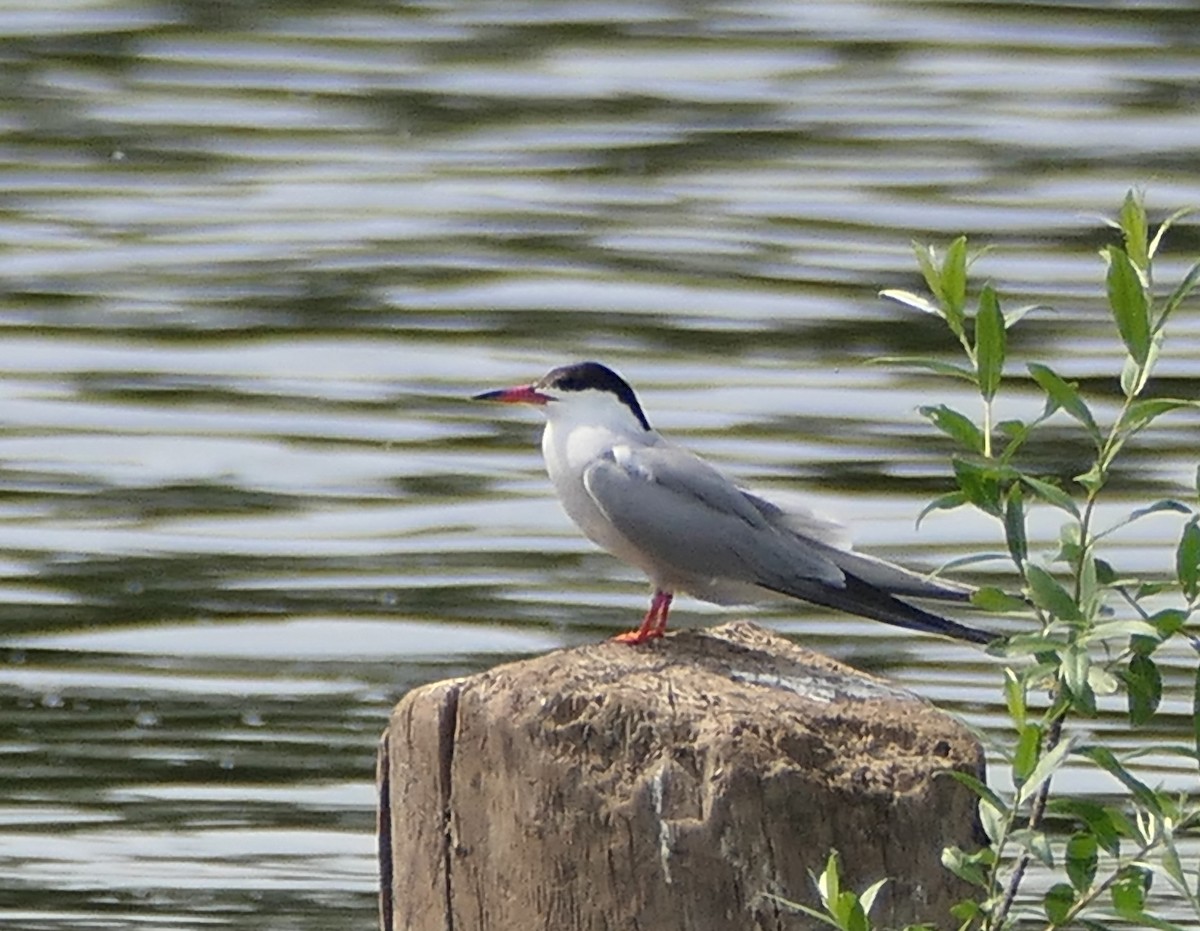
<point x="680" y="784"/>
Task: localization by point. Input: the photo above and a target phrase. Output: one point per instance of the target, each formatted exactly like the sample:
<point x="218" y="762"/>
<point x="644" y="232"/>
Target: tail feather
<point x="893" y="579"/>
<point x="861" y="598"/>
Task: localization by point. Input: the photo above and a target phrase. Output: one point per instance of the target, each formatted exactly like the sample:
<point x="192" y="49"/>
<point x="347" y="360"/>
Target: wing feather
<point x="832" y="540"/>
<point x="789" y="512"/>
<point x="693" y="523"/>
<point x="686" y="515"/>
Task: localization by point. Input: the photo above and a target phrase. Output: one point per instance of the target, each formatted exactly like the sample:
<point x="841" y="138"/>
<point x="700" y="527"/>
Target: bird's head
<point x="584" y="392"/>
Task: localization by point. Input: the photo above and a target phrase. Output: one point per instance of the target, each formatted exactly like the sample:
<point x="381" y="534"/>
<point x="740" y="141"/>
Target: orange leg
<point x="654" y="624"/>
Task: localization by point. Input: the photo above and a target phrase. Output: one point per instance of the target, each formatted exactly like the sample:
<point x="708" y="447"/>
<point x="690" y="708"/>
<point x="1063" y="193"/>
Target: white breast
<point x="568" y="451"/>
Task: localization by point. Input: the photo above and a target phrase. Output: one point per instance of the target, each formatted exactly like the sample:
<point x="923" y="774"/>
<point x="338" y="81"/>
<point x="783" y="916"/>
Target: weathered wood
<point x="674" y="785"/>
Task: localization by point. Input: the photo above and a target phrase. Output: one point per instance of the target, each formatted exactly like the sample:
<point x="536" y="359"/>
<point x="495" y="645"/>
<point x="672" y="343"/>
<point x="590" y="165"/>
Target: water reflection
<point x="253" y="260"/>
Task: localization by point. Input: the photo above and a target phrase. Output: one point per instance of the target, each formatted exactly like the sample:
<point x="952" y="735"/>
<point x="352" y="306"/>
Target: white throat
<point x="580" y="430"/>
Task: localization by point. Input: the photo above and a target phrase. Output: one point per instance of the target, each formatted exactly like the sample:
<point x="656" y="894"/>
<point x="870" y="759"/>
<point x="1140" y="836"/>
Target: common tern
<point x="666" y="511"/>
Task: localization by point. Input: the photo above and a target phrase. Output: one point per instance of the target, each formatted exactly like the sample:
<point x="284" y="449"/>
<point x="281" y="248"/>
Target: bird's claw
<point x="634" y="637"/>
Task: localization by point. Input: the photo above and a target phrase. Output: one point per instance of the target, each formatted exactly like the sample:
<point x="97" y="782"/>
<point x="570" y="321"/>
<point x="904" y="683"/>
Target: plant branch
<point x="1036" y="813"/>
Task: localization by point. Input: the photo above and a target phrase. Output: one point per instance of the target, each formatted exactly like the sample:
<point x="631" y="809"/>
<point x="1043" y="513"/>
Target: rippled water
<point x="255" y="257"/>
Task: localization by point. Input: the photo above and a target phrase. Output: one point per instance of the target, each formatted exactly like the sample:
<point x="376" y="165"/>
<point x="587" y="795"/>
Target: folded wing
<point x="691" y="520"/>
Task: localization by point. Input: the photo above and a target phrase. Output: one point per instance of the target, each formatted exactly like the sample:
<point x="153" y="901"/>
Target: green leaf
<point x="1095" y="817"/>
<point x="965" y="866"/>
<point x="909" y="299"/>
<point x="1168" y="622"/>
<point x="1133" y="225"/>
<point x="982" y="481"/>
<point x="1093" y="479"/>
<point x="997" y="601"/>
<point x="927" y="262"/>
<point x="1076" y="666"/>
<point x="1150" y="589"/>
<point x="1013" y="317"/>
<point x="1170" y="863"/>
<point x="867" y="899"/>
<point x="1014" y="526"/>
<point x="1050" y="762"/>
<point x="1142" y="413"/>
<point x="1164" y="504"/>
<point x="1127" y="300"/>
<point x="960" y="561"/>
<point x="1129" y="627"/>
<point x="979" y="787"/>
<point x="1181" y="293"/>
<point x="954" y="285"/>
<point x="1187" y="560"/>
<point x="1051" y="494"/>
<point x="980" y="484"/>
<point x="957" y="426"/>
<point x="1102" y="681"/>
<point x="1146" y="920"/>
<point x="1036" y="843"/>
<point x="1089" y="594"/>
<point x="1143" y="645"/>
<point x="821" y="917"/>
<point x="993" y="820"/>
<point x="1166" y="225"/>
<point x="1082" y="856"/>
<point x="937" y="366"/>
<point x="1016" y="432"/>
<point x="1144" y="684"/>
<point x="967" y="912"/>
<point x="989" y="343"/>
<point x="1063" y="394"/>
<point x="850" y="913"/>
<point x="1045" y="648"/>
<point x="1068" y="543"/>
<point x="1049" y="595"/>
<point x="1058" y="901"/>
<point x="1131" y="376"/>
<point x="829" y="883"/>
<point x="1104" y="758"/>
<point x="1014" y="698"/>
<point x="955" y="499"/>
<point x="1025" y="759"/>
<point x="1129" y="892"/>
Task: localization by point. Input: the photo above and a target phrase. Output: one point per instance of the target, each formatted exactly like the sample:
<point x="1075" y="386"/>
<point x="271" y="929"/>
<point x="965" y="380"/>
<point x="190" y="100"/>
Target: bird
<point x="689" y="528"/>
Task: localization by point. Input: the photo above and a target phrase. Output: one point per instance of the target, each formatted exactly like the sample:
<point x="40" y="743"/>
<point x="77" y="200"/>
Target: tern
<point x="666" y="511"/>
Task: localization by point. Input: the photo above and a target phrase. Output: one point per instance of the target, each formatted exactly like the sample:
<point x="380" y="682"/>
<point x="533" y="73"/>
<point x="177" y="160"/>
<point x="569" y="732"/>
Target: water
<point x="255" y="257"/>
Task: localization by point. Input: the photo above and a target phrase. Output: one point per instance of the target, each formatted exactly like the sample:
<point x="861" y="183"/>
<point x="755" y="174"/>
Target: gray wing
<point x="790" y="511"/>
<point x="896" y="580"/>
<point x="830" y="540"/>
<point x="686" y="515"/>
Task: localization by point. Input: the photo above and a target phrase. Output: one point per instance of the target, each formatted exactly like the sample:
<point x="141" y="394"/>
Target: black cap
<point x="592" y="376"/>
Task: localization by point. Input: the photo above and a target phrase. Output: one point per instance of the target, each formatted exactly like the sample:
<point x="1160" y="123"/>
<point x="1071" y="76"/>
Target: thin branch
<point x="1036" y="813"/>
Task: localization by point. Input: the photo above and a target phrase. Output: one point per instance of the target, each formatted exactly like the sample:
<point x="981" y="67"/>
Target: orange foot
<point x="634" y="637"/>
<point x="654" y="624"/>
